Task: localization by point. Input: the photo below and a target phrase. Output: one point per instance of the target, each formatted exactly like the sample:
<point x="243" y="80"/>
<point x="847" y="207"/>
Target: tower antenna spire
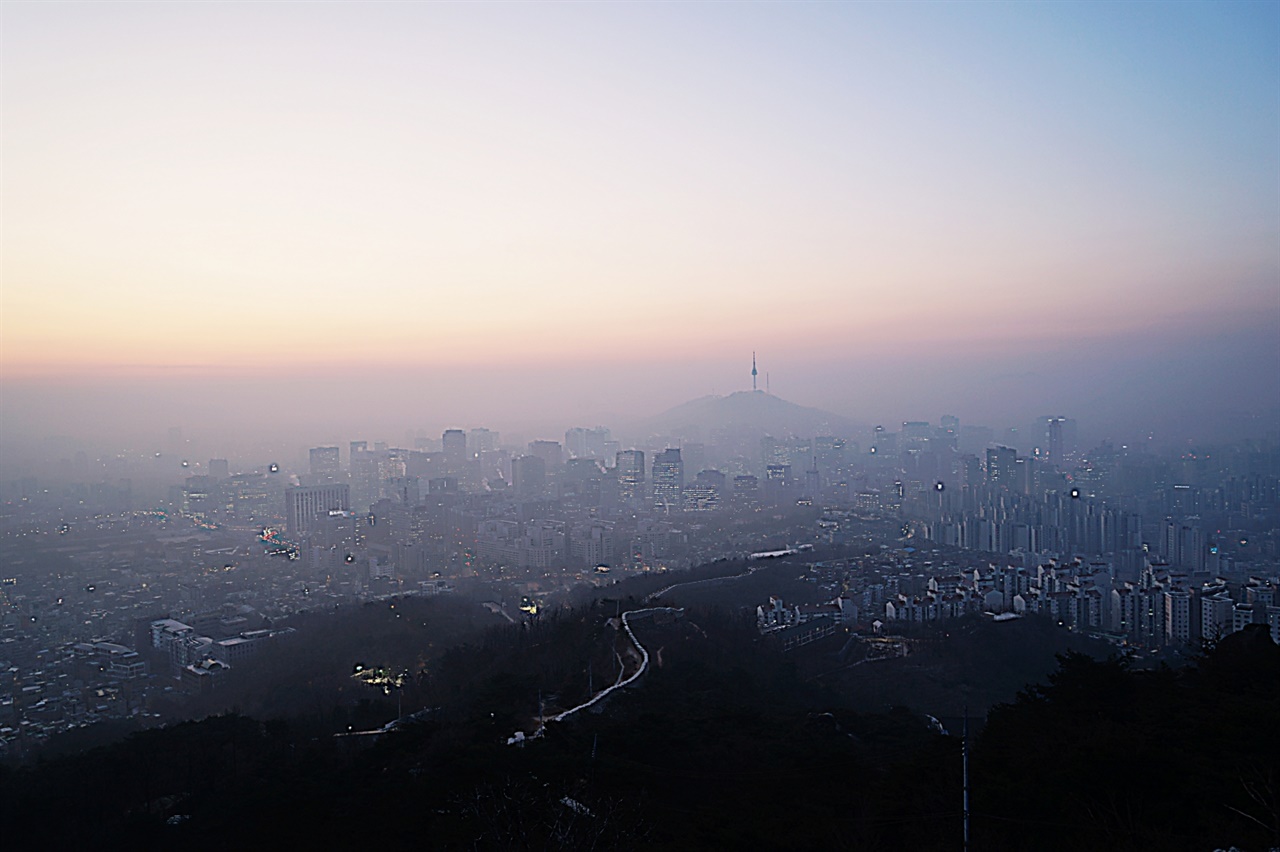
<point x="753" y="371"/>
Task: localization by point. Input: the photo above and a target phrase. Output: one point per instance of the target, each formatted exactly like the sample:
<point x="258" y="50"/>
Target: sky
<point x="349" y="216"/>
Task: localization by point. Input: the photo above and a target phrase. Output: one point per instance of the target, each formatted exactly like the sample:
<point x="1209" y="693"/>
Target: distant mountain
<point x="746" y="412"/>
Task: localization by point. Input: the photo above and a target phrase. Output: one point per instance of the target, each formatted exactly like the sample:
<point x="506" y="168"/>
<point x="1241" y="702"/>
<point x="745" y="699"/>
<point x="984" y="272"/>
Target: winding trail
<point x="621" y="682"/>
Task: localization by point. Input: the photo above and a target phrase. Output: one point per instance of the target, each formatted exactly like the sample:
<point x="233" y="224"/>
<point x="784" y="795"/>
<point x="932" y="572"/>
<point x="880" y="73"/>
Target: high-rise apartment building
<point x="1002" y="467"/>
<point x="1179" y="608"/>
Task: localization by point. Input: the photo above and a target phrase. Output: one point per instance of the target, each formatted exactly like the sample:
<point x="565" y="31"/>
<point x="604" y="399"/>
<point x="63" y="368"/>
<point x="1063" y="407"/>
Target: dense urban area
<point x="134" y="582"/>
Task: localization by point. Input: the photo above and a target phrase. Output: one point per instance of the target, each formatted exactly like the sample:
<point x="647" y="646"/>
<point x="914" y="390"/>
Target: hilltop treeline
<point x="1104" y="757"/>
<point x="725" y="743"/>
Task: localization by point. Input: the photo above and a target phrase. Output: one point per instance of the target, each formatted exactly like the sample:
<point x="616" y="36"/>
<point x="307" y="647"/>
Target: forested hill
<point x="721" y="744"/>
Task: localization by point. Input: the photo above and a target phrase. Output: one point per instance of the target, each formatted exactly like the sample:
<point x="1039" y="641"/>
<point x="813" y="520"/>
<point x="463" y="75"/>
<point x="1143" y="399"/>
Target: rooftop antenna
<point x="753" y="371"/>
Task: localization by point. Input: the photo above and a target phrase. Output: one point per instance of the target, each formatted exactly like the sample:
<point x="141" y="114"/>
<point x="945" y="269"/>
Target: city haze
<point x="320" y="221"/>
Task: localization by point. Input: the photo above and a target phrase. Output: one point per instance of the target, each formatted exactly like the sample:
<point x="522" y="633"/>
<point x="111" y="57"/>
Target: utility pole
<point x="964" y="758"/>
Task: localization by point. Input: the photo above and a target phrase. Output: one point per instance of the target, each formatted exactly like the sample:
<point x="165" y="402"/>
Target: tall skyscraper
<point x="306" y="505"/>
<point x="668" y="481"/>
<point x="481" y="440"/>
<point x="325" y="467"/>
<point x="549" y="451"/>
<point x="364" y="474"/>
<point x="694" y="455"/>
<point x="454" y="445"/>
<point x="746" y="492"/>
<point x="581" y="443"/>
<point x="630" y="472"/>
<point x="777" y="483"/>
<point x="829" y="459"/>
<point x="1054" y="438"/>
<point x="813" y="482"/>
<point x="528" y="476"/>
